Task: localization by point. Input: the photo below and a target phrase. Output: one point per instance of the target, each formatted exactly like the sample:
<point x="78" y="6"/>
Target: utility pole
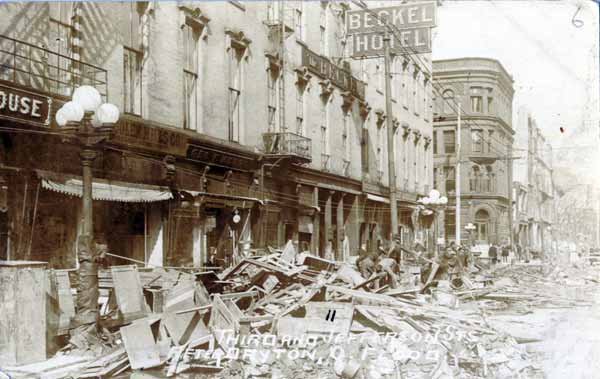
<point x="509" y="166"/>
<point x="457" y="179"/>
<point x="390" y="136"/>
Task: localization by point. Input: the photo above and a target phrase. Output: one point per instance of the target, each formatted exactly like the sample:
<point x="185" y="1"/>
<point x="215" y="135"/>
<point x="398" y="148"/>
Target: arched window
<point x="487" y="182"/>
<point x="482" y="220"/>
<point x="448" y="100"/>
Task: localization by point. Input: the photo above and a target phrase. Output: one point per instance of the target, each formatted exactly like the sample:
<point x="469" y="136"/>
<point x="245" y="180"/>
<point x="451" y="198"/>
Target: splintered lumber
<point x="181" y="296"/>
<point x="373" y="278"/>
<point x="221" y="316"/>
<point x="371" y="297"/>
<point x="289" y="253"/>
<point x="140" y="345"/>
<point x="350" y="276"/>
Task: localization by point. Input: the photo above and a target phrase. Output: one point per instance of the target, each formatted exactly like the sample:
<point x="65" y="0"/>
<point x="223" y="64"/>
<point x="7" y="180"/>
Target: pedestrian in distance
<point x="493" y="254"/>
<point x="505" y="253"/>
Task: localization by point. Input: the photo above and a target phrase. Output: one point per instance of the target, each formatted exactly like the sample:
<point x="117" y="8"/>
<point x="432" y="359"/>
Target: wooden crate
<point x="23" y="311"/>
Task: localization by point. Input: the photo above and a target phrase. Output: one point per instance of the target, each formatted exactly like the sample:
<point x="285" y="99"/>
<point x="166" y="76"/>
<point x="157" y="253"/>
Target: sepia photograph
<point x="319" y="189"/>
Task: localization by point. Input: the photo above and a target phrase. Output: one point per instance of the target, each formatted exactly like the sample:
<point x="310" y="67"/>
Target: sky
<point x="551" y="50"/>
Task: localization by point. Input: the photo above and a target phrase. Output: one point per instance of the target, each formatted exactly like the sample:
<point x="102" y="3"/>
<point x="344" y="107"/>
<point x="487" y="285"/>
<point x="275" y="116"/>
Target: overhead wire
<point x="412" y="55"/>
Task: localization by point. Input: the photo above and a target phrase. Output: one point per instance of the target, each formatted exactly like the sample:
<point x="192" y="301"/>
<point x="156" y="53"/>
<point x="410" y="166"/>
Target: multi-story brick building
<point x="535" y="172"/>
<point x="484" y="91"/>
<point x="228" y="108"/>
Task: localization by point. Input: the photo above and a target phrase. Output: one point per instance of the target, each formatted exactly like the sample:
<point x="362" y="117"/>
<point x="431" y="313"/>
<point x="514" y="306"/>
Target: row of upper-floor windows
<point x="481" y="179"/>
<point x="480" y="101"/>
<point x="481" y="141"/>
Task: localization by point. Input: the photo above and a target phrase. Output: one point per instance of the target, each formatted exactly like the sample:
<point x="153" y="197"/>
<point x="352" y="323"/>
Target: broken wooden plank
<point x="140" y="345"/>
<point x="128" y="291"/>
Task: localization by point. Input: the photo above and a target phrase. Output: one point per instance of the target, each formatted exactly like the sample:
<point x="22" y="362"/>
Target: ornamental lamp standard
<point x="435" y="203"/>
<point x="470" y="228"/>
<point x="89" y="122"/>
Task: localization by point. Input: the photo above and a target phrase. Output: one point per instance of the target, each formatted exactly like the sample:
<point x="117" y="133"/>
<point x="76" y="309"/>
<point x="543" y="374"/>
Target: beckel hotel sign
<point x="24" y="106"/>
<point x="410" y="29"/>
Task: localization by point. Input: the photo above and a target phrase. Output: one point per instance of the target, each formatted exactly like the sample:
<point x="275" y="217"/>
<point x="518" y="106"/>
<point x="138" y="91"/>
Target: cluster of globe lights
<point x="87" y="99"/>
<point x="434" y="198"/>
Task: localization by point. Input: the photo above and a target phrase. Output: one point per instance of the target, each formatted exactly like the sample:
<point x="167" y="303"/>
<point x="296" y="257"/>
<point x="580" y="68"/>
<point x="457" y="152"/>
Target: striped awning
<point x="102" y="189"/>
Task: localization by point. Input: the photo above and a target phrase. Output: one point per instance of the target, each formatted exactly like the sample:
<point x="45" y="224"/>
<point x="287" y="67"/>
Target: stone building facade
<point x="535" y="226"/>
<point x="230" y="108"/>
<point x="484" y="91"/>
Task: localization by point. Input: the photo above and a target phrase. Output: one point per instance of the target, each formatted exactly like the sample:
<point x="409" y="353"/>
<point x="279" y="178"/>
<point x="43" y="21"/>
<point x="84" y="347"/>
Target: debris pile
<point x="286" y="314"/>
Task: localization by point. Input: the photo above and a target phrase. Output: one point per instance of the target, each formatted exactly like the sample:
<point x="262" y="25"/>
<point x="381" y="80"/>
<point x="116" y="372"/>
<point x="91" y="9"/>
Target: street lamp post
<point x="436" y="203"/>
<point x="89" y="122"/>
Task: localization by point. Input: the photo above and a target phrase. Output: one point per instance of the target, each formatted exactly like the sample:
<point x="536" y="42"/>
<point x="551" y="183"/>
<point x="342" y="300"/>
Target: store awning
<point x="103" y="189"/>
<point x="378" y="199"/>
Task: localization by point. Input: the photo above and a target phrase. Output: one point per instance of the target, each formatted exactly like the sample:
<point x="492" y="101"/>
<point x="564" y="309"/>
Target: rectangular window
<point x="191" y="37"/>
<point x="322" y="41"/>
<point x="299" y="22"/>
<point x="435" y="179"/>
<point x="273" y="11"/>
<point x="450" y="226"/>
<point x="324" y="135"/>
<point x="346" y="136"/>
<point x="435" y="143"/>
<point x="393" y="78"/>
<point x="235" y="92"/>
<point x="380" y="151"/>
<point x="416" y="93"/>
<point x="489" y="141"/>
<point x="477" y="141"/>
<point x="323" y="29"/>
<point x="379" y="75"/>
<point x="272" y="99"/>
<point x="450" y="178"/>
<point x="425" y="100"/>
<point x="130" y="30"/>
<point x="490" y="105"/>
<point x="365" y="149"/>
<point x="132" y="81"/>
<point x="61" y="41"/>
<point x="449" y="142"/>
<point x="405" y="81"/>
<point x="300" y="111"/>
<point x="476" y="104"/>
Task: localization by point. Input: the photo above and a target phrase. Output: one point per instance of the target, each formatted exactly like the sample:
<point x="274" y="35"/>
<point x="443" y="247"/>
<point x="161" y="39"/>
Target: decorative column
<point x="340" y="227"/>
<point x="316" y="225"/>
<point x="353" y="225"/>
<point x="328" y="218"/>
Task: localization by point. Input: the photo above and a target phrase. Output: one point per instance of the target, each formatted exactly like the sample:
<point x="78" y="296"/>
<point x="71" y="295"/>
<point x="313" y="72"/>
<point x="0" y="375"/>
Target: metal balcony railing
<point x="288" y="144"/>
<point x="38" y="68"/>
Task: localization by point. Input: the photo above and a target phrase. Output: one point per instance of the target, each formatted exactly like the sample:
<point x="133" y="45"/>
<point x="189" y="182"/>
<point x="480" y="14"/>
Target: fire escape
<point x="282" y="146"/>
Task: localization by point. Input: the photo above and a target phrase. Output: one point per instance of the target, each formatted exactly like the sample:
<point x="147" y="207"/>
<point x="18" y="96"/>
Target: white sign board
<point x="410" y="31"/>
<point x="405" y="16"/>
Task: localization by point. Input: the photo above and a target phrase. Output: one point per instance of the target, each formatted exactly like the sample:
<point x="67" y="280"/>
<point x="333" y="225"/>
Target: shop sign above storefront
<point x="144" y="135"/>
<point x="24" y="106"/>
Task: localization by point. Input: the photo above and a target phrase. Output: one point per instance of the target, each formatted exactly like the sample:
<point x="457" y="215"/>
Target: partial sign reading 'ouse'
<point x="20" y="105"/>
